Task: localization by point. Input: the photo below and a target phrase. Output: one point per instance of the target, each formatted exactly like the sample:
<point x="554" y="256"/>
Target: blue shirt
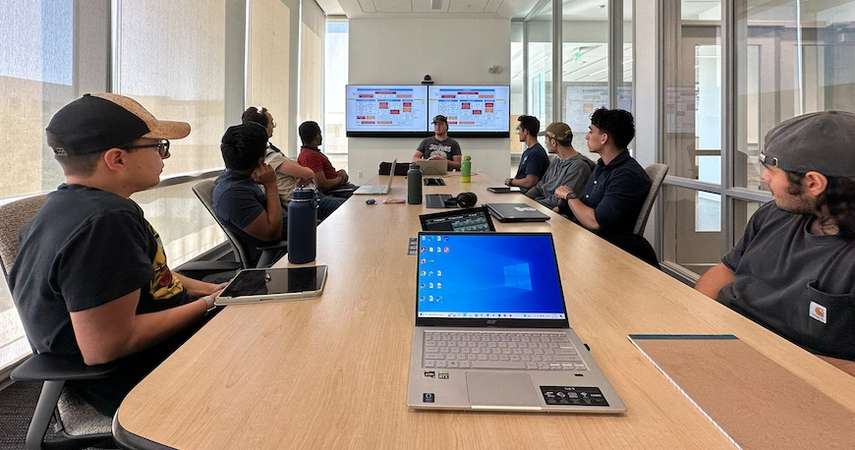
<point x="534" y="161"/>
<point x="237" y="202"/>
<point x="616" y="192"/>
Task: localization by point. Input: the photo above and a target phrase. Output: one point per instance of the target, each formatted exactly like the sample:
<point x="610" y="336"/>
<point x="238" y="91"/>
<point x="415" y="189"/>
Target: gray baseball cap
<point x="821" y="141"/>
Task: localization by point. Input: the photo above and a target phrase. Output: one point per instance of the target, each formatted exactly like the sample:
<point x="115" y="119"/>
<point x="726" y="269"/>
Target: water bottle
<point x="414" y="185"/>
<point x="302" y="226"/>
<point x="466" y="169"/>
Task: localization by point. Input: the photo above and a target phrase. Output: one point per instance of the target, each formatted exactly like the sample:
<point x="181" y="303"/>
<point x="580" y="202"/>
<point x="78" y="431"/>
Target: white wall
<point x="646" y="95"/>
<point x="452" y="51"/>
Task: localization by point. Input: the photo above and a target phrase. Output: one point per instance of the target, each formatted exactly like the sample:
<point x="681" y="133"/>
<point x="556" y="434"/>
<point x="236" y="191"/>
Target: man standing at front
<point x="792" y="272"/>
<point x="439" y="146"/>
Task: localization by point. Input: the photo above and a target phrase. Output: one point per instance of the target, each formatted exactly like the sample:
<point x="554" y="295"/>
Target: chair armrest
<point x="53" y="368"/>
<point x="208" y="266"/>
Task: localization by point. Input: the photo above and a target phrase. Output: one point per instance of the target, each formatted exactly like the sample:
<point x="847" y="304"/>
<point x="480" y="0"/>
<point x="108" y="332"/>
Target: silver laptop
<point x="432" y="166"/>
<point x="492" y="330"/>
<point x="377" y="189"/>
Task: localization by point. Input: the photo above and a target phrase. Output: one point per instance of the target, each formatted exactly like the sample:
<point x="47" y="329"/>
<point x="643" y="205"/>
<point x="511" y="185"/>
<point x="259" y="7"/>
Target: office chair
<point x="78" y="424"/>
<point x="401" y="168"/>
<point x="657" y="173"/>
<point x="204" y="191"/>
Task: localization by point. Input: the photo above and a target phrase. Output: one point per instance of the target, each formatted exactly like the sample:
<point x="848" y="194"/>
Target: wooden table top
<point x="331" y="372"/>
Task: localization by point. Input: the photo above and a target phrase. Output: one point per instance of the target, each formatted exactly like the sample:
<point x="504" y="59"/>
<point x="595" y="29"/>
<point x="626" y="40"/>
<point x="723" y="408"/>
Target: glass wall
<point x="539" y="64"/>
<point x="518" y="84"/>
<point x="584" y="66"/>
<point x="335" y="80"/>
<point x="806" y="50"/>
<point x="624" y="90"/>
<point x="691" y="228"/>
<point x="175" y="68"/>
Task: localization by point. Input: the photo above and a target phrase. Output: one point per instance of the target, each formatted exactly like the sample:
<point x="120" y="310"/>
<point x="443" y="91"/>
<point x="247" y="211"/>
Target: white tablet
<point x="287" y="283"/>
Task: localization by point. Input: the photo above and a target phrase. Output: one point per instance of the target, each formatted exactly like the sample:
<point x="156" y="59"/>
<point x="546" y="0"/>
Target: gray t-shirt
<point x="797" y="284"/>
<point x="573" y="172"/>
<point x="432" y="146"/>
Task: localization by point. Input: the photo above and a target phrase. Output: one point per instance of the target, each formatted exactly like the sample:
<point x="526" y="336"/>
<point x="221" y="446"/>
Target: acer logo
<point x="491" y="322"/>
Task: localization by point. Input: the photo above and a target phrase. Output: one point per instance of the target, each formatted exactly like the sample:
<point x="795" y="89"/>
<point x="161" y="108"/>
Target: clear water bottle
<point x="302" y="226"/>
<point x="466" y="169"/>
<point x="414" y="185"/>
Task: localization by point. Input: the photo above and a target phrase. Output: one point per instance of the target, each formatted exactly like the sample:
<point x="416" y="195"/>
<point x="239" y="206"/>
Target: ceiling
<point x="429" y="8"/>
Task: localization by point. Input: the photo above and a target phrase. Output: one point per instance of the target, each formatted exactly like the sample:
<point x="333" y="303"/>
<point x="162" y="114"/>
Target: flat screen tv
<point x="472" y="110"/>
<point x="386" y="110"/>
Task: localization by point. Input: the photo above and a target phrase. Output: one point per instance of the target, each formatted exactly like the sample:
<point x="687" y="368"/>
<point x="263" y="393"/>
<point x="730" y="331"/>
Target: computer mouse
<point x="370" y="201"/>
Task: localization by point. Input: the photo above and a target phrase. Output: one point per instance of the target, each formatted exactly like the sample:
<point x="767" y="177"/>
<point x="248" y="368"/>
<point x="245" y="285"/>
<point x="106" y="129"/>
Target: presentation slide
<point x="472" y="109"/>
<point x="379" y="109"/>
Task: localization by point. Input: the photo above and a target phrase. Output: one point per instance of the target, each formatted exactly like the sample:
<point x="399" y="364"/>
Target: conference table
<point x="331" y="371"/>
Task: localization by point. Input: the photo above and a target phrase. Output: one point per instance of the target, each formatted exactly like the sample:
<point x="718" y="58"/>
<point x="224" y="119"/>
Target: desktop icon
<point x="439" y="273"/>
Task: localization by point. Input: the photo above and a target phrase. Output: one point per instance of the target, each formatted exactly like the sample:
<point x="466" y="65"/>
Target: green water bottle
<point x="466" y="169"/>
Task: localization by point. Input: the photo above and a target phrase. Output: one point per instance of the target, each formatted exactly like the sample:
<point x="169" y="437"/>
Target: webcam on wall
<point x="427" y="80"/>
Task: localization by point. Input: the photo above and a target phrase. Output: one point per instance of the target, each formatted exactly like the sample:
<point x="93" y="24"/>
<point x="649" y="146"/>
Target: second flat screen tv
<point x="386" y="110"/>
<point x="480" y="110"/>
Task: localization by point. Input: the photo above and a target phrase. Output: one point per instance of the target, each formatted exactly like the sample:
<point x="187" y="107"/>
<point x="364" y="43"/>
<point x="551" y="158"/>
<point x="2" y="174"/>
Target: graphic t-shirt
<point x="447" y="149"/>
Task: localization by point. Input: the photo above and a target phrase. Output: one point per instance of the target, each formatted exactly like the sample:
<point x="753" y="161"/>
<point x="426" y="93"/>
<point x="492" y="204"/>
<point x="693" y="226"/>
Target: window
<point x="175" y="68"/>
<point x="312" y="26"/>
<point x="691" y="228"/>
<point x="335" y="80"/>
<point x="539" y="92"/>
<point x="794" y="58"/>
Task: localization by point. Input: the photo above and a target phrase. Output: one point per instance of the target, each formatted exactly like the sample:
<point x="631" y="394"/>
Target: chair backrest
<point x="657" y="173"/>
<point x="401" y="168"/>
<point x="204" y="191"/>
<point x="13" y="217"/>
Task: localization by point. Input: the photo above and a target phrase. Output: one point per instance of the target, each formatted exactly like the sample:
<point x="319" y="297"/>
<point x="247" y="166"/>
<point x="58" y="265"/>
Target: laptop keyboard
<point x="500" y="350"/>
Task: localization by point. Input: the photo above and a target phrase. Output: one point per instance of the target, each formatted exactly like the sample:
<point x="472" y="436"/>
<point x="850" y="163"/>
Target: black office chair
<point x="78" y="424"/>
<point x="204" y="191"/>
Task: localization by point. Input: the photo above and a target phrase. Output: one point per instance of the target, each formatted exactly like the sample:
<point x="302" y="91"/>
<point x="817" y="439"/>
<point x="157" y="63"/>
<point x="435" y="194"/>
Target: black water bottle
<point x="302" y="226"/>
<point x="414" y="185"/>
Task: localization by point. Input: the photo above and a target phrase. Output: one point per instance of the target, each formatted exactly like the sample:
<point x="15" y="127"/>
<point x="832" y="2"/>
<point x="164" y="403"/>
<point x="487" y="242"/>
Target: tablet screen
<point x="276" y="281"/>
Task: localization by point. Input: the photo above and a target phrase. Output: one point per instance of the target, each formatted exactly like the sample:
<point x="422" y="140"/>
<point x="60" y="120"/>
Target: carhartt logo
<point x="818" y="312"/>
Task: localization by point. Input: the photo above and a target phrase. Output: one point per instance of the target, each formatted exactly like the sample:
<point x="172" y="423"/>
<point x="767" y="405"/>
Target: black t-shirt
<point x="237" y="202"/>
<point x="85" y="248"/>
<point x="793" y="282"/>
<point x="616" y="192"/>
<point x="534" y="161"/>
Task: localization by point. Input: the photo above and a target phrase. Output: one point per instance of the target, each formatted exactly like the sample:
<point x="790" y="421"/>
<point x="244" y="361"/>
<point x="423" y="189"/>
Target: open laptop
<point x="470" y="219"/>
<point x="432" y="166"/>
<point x="516" y="212"/>
<point x="378" y="189"/>
<point x="492" y="330"/>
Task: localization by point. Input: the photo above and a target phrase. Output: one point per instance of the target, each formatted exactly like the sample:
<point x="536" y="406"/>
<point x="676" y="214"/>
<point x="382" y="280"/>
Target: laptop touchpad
<point x="500" y="389"/>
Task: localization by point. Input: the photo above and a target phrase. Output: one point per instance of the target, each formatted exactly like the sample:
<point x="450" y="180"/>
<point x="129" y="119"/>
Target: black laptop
<point x="516" y="212"/>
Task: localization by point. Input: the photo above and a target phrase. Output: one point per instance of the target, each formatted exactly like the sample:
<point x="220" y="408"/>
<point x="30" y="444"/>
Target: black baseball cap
<point x="822" y="141"/>
<point x="98" y="122"/>
<point x="440" y="118"/>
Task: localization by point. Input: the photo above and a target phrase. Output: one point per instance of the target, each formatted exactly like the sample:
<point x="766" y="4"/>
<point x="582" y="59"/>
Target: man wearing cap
<point x="439" y="146"/>
<point x="792" y="272"/>
<point x="571" y="168"/>
<point x="534" y="161"/>
<point x="91" y="281"/>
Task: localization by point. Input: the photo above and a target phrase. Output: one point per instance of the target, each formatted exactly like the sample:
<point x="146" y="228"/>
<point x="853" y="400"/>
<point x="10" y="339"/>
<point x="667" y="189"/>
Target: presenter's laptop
<point x="492" y="330"/>
<point x="470" y="219"/>
<point x="378" y="189"/>
<point x="433" y="166"/>
<point x="516" y="212"/>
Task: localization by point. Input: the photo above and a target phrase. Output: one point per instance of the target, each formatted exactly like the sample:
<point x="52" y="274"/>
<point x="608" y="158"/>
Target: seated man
<point x="327" y="178"/>
<point x="615" y="192"/>
<point x="289" y="174"/>
<point x="255" y="216"/>
<point x="570" y="169"/>
<point x="792" y="272"/>
<point x="440" y="146"/>
<point x="91" y="281"/>
<point x="534" y="161"/>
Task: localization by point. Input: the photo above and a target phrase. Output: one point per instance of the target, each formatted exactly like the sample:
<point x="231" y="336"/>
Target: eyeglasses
<point x="162" y="148"/>
<point x="771" y="161"/>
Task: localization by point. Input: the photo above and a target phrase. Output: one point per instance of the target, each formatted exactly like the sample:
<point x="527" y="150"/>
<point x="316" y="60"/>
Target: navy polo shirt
<point x="616" y="192"/>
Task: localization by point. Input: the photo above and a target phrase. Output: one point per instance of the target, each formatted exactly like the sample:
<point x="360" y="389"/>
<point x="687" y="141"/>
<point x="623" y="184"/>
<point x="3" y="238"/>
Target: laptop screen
<point x="488" y="276"/>
<point x="474" y="219"/>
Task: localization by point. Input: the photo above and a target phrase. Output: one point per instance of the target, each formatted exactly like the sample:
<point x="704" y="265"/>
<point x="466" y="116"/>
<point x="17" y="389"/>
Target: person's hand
<point x="556" y="209"/>
<point x="264" y="175"/>
<point x="509" y="181"/>
<point x="436" y="157"/>
<point x="303" y="182"/>
<point x="343" y="176"/>
<point x="562" y="191"/>
<point x="201" y="288"/>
